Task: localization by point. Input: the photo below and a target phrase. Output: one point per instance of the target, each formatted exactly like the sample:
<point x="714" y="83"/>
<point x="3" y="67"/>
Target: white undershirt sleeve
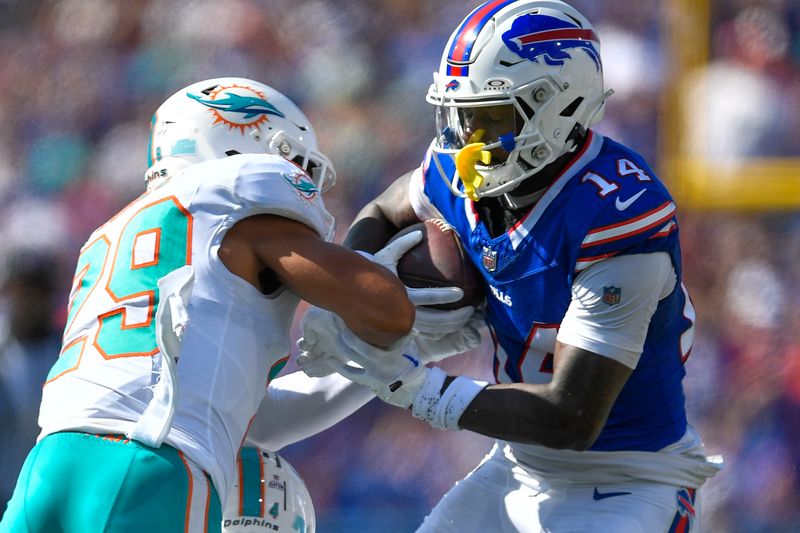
<point x="419" y="200"/>
<point x="297" y="406"/>
<point x="613" y="302"/>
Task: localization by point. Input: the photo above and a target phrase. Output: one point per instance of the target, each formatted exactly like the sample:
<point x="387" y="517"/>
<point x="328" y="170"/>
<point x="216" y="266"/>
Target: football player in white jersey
<point x="179" y="315"/>
<point x="577" y="240"/>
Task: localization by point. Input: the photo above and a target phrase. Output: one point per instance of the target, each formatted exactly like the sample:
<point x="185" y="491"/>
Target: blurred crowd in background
<point x="79" y="80"/>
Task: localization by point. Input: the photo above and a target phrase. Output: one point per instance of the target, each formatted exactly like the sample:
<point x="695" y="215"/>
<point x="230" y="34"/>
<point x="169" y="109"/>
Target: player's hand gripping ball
<point x="440" y="260"/>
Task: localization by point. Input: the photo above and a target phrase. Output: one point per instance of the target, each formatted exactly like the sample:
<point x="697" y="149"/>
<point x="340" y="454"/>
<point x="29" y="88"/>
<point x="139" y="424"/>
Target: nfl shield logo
<point x="489" y="259"/>
<point x="612" y="295"/>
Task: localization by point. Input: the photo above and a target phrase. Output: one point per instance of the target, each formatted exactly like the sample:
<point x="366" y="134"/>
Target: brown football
<point x="440" y="261"/>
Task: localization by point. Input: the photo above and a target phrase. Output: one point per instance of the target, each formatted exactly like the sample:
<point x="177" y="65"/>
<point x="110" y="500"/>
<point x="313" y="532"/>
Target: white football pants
<point x="500" y="497"/>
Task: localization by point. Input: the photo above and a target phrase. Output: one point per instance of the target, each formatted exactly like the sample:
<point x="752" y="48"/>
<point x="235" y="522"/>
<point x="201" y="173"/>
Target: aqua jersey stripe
<point x="251" y="486"/>
<point x="276" y="368"/>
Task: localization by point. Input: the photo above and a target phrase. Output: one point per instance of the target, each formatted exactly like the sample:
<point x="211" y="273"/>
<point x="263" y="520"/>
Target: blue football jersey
<point x="606" y="202"/>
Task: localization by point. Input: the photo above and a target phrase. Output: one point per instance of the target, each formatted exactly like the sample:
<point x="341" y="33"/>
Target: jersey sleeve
<point x="297" y="406"/>
<point x="272" y="185"/>
<point x="631" y="221"/>
<point x="613" y="302"/>
<point x="422" y="205"/>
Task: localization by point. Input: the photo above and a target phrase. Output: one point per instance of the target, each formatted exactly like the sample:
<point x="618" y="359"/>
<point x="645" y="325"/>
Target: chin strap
<point x="519" y="202"/>
<point x="466" y="159"/>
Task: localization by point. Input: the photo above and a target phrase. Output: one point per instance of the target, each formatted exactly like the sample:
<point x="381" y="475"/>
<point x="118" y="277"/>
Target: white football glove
<point x="440" y="322"/>
<point x="440" y="334"/>
<point x="319" y="331"/>
<point x="314" y="362"/>
<point x="444" y="331"/>
<point x="389" y="255"/>
<point x="395" y="374"/>
<point x="437" y="333"/>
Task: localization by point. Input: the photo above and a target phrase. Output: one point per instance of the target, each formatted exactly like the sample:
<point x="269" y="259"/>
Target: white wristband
<point x="427" y="399"/>
<point x="443" y="410"/>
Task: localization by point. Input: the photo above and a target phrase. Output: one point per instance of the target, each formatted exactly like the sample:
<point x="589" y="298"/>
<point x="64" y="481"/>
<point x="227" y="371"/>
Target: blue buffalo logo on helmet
<point x="452" y="85"/>
<point x="237" y="106"/>
<point x="541" y="37"/>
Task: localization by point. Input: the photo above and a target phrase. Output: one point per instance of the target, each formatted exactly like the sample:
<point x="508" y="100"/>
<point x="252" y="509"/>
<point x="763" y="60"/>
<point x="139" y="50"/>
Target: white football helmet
<point x="269" y="495"/>
<point x="517" y="79"/>
<point x="220" y="117"/>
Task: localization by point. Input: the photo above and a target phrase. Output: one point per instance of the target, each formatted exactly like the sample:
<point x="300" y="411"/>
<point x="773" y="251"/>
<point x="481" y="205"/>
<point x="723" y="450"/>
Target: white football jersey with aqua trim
<point x="163" y="343"/>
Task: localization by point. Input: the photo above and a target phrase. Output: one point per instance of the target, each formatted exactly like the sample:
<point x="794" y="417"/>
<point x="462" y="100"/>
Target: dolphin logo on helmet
<point x="249" y="106"/>
<point x="303" y="185"/>
<point x="257" y="118"/>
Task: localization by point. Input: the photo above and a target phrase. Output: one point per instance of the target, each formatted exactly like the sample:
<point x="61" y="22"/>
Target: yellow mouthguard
<point x="477" y="136"/>
<point x="466" y="158"/>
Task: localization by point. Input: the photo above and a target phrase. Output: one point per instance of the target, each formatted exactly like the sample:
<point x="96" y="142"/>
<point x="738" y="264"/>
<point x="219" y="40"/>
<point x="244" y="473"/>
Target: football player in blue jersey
<point x="577" y="239"/>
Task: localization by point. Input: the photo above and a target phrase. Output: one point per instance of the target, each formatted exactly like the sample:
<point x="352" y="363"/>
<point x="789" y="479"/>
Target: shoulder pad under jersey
<point x="631" y="208"/>
<point x="269" y="184"/>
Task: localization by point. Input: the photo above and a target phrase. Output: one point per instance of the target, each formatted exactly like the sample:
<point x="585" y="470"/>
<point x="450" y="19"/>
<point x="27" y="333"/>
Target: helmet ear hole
<point x="527" y="109"/>
<point x="231" y="152"/>
<point x="572" y="107"/>
<point x="300" y="161"/>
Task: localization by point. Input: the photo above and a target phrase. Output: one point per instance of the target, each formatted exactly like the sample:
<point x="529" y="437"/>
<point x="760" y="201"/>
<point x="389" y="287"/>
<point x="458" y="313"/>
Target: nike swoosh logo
<point x="622" y="206"/>
<point x="604" y="495"/>
<point x="414" y="361"/>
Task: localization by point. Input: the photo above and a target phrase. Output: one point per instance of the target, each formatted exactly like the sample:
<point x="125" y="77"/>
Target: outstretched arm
<point x="297" y="407"/>
<point x="368" y="298"/>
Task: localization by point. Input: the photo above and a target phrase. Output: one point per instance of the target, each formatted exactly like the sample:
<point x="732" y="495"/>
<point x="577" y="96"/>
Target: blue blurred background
<point x="707" y="90"/>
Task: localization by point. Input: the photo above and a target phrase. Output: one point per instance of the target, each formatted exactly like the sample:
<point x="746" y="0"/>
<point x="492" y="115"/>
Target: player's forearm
<point x="370" y="299"/>
<point x="370" y="230"/>
<point x="380" y="219"/>
<point x="297" y="407"/>
<point x="530" y="414"/>
<point x="568" y="412"/>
